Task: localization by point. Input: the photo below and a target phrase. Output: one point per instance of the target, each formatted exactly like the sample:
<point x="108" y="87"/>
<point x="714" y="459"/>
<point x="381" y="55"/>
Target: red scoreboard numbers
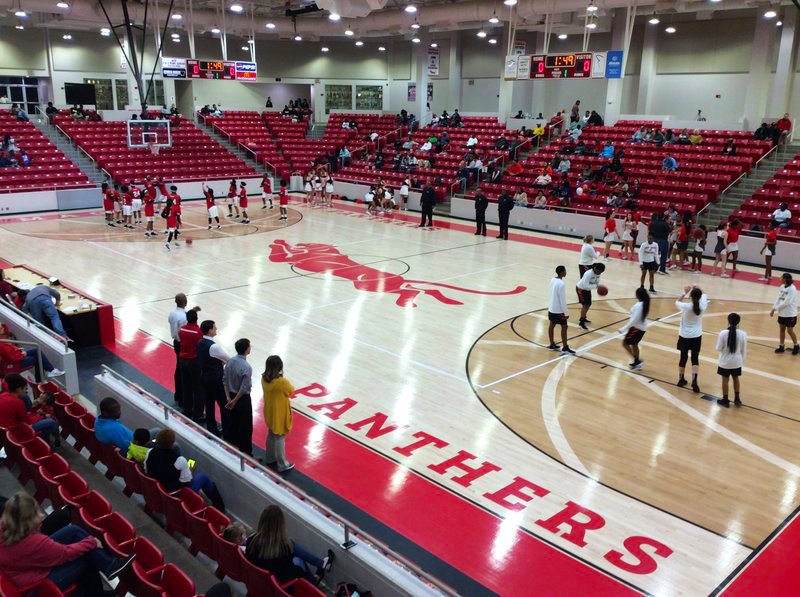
<point x="561" y="66"/>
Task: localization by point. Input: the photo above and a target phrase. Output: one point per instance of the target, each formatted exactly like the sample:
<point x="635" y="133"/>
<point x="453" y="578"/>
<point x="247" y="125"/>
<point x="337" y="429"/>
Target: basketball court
<point x="428" y="398"/>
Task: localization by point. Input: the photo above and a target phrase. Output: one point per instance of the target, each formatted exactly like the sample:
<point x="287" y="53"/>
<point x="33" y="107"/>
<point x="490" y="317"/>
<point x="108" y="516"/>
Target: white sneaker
<point x="724" y="276"/>
<point x="713" y="273"/>
<point x="763" y="279"/>
<point x="56" y="373"/>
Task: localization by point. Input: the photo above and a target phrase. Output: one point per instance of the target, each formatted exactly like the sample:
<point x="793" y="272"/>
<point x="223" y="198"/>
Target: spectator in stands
<point x="371" y="137"/>
<point x="575" y="132"/>
<point x="683" y="138"/>
<point x="514" y="169"/>
<point x="638" y="136"/>
<point x="24" y="358"/>
<point x="634" y="189"/>
<point x="543" y="180"/>
<point x="427" y="146"/>
<point x="774" y="133"/>
<point x="762" y="132"/>
<point x="238" y="380"/>
<point x="564" y="165"/>
<point x="669" y="164"/>
<point x="378" y="163"/>
<point x="575" y="111"/>
<point x="50" y="111"/>
<point x="5" y="162"/>
<point x="501" y="143"/>
<point x="271" y="549"/>
<point x="729" y="148"/>
<point x="14" y="407"/>
<point x="24" y="159"/>
<point x="595" y="119"/>
<point x="68" y="556"/>
<point x="669" y="137"/>
<point x="4" y="99"/>
<point x="173" y="471"/>
<point x="608" y="150"/>
<point x="616" y="166"/>
<point x="463" y="175"/>
<point x="494" y="175"/>
<point x="519" y="115"/>
<point x="139" y="446"/>
<point x="782" y="216"/>
<point x="287" y="111"/>
<point x="107" y="427"/>
<point x="21" y="115"/>
<point x="784" y="125"/>
<point x="177" y="318"/>
<point x="521" y="198"/>
<point x="189" y="335"/>
<point x="695" y="138"/>
<point x="476" y="166"/>
<point x="541" y="201"/>
<point x="472" y="141"/>
<point x="39" y="303"/>
<point x="538" y="130"/>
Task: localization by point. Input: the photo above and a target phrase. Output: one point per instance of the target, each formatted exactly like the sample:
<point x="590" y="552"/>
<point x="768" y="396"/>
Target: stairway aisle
<point x="233" y="148"/>
<point x="75" y="155"/>
<point x="744" y="189"/>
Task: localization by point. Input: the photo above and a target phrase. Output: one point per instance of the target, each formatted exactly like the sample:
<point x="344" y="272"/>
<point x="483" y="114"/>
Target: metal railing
<point x="765" y="156"/>
<point x="349" y="529"/>
<point x="31" y="322"/>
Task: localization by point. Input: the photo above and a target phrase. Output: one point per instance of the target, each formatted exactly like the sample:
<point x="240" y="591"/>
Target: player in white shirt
<point x="690" y="336"/>
<point x="732" y="348"/>
<point x="588" y="255"/>
<point x="558" y="311"/>
<point x="635" y="328"/>
<point x="649" y="258"/>
<point x="588" y="282"/>
<point x="786" y="308"/>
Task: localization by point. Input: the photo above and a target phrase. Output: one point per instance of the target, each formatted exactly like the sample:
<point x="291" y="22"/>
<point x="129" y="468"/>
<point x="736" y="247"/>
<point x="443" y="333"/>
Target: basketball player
<point x="176" y="206"/>
<point x="283" y="201"/>
<point x="172" y="220"/>
<point x="589" y="281"/>
<point x="682" y="245"/>
<point x="557" y="310"/>
<point x="329" y="191"/>
<point x="243" y="202"/>
<point x="162" y="188"/>
<point x="266" y="191"/>
<point x="211" y="206"/>
<point x="588" y="255"/>
<point x="732" y="348"/>
<point x="690" y="335"/>
<point x="127" y="207"/>
<point x="136" y="203"/>
<point x="232" y="202"/>
<point x="610" y="230"/>
<point x="635" y="328"/>
<point x="649" y="257"/>
<point x="786" y="307"/>
<point x="108" y="204"/>
<point x="118" y="204"/>
<point x="720" y="251"/>
<point x="149" y="211"/>
<point x="768" y="250"/>
<point x="732" y="246"/>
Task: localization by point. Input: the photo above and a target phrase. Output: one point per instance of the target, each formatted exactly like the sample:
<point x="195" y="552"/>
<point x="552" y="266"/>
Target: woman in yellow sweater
<point x="277" y="412"/>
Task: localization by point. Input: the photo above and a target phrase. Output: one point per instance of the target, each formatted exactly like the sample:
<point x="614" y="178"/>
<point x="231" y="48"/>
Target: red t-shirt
<point x="266" y="185"/>
<point x="149" y="204"/>
<point x="243" y="197"/>
<point x="136" y="193"/>
<point x="128" y="199"/>
<point x="733" y="235"/>
<point x="284" y="197"/>
<point x="772" y="236"/>
<point x="189" y="335"/>
<point x="610" y="226"/>
<point x="12" y="410"/>
<point x="150" y="190"/>
<point x="209" y="200"/>
<point x="108" y="200"/>
<point x="784" y="124"/>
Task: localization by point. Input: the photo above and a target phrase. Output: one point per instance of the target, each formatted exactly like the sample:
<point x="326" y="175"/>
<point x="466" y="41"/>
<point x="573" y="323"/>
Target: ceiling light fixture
<point x="510" y="2"/>
<point x="434" y="45"/>
<point x="21" y="14"/>
<point x="492" y="41"/>
<point x="215" y="30"/>
<point x="105" y="32"/>
<point x="175" y="35"/>
<point x="778" y="23"/>
<point x="381" y="49"/>
<point x="66" y="36"/>
<point x="770" y="14"/>
<point x="359" y="43"/>
<point x="298" y="38"/>
<point x="177" y="17"/>
<point x="415" y="24"/>
<point x="411" y="9"/>
<point x="324" y="49"/>
<point x="654" y="21"/>
<point x="20" y="27"/>
<point x="670" y="29"/>
<point x="334" y="17"/>
<point x="245" y="48"/>
<point x="62" y="5"/>
<point x="562" y="36"/>
<point x="416" y="40"/>
<point x="481" y="34"/>
<point x="349" y="32"/>
<point x="592" y="7"/>
<point x="591" y="25"/>
<point x="494" y="20"/>
<point x="270" y="25"/>
<point x="237" y="8"/>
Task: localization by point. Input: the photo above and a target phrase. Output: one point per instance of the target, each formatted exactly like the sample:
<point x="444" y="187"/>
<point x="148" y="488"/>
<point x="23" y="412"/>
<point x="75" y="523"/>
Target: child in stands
<point x="140" y="444"/>
<point x="236" y="533"/>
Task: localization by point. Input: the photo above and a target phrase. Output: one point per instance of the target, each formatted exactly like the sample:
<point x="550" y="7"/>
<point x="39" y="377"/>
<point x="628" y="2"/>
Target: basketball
<point x="188" y="241"/>
<point x="698" y="234"/>
<point x="602" y="290"/>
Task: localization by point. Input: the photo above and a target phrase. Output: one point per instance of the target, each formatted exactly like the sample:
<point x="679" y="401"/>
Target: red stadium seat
<point x="299" y="587"/>
<point x="43" y="588"/>
<point x="50" y="472"/>
<point x="148" y="559"/>
<point x="173" y="581"/>
<point x="119" y="534"/>
<point x="128" y="471"/>
<point x="32" y="454"/>
<point x="174" y="504"/>
<point x="201" y="525"/>
<point x="257" y="580"/>
<point x="93" y="513"/>
<point x="151" y="490"/>
<point x="226" y="554"/>
<point x="72" y="489"/>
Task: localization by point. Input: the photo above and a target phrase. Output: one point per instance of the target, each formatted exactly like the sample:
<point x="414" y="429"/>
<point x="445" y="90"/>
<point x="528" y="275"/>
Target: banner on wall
<point x="519" y="47"/>
<point x="523" y="68"/>
<point x="599" y="65"/>
<point x="433" y="62"/>
<point x="412" y="92"/>
<point x="614" y="65"/>
<point x="511" y="68"/>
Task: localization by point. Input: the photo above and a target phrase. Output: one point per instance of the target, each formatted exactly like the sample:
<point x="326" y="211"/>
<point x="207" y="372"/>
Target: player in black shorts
<point x="636" y="326"/>
<point x="557" y="311"/>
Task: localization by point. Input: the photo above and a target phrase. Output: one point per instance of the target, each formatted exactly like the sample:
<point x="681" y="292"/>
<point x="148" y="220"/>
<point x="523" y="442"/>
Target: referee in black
<point x="426" y="201"/>
<point x="481" y="203"/>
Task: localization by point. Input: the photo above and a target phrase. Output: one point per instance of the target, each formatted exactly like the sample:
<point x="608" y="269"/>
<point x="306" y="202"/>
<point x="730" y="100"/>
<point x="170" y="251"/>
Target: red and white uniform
<point x="108" y="201"/>
<point x="232" y="195"/>
<point x="136" y="199"/>
<point x="127" y="204"/>
<point x="733" y="239"/>
<point x="149" y="205"/>
<point x="149" y="190"/>
<point x="266" y="188"/>
<point x="243" y="198"/>
<point x="283" y="197"/>
<point x="118" y="199"/>
<point x="610" y="228"/>
<point x="210" y="205"/>
<point x="162" y="188"/>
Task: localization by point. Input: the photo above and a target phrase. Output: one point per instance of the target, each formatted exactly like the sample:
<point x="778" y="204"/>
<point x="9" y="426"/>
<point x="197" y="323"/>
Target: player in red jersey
<point x="162" y="188"/>
<point x="117" y="204"/>
<point x="150" y="211"/>
<point x="176" y="204"/>
<point x="211" y="206"/>
<point x="136" y="204"/>
<point x="266" y="191"/>
<point x="108" y="204"/>
<point x="172" y="213"/>
<point x="610" y="230"/>
<point x="232" y="199"/>
<point x="127" y="207"/>
<point x="283" y="200"/>
<point x="243" y="202"/>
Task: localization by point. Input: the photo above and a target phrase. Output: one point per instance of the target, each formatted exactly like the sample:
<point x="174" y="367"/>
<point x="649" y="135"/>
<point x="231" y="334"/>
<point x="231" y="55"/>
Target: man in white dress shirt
<point x="177" y="318"/>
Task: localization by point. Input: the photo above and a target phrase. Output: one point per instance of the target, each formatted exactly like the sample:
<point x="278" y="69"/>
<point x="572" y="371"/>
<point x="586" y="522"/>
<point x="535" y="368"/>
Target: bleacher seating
<point x="49" y="168"/>
<point x="194" y="155"/>
<point x="184" y="511"/>
<point x="784" y="187"/>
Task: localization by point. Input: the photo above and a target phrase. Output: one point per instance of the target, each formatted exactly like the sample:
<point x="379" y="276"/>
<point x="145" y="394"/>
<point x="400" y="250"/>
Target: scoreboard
<point x="561" y="66"/>
<point x="222" y="70"/>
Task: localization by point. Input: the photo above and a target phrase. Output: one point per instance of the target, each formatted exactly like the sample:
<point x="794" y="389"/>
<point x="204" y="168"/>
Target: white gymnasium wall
<point x="479" y="95"/>
<point x="681" y="95"/>
<point x="252" y="96"/>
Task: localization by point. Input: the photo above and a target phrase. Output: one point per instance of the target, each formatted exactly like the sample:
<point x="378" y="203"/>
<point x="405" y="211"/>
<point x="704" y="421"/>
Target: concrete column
<point x="755" y="101"/>
<point x="781" y="87"/>
<point x="454" y="82"/>
<point x="421" y="56"/>
<point x="506" y="87"/>
<point x="614" y="89"/>
<point x="538" y="97"/>
<point x="647" y="72"/>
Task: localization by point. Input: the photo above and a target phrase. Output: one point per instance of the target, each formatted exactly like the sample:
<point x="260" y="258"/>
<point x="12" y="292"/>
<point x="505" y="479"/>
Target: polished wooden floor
<point x="443" y="332"/>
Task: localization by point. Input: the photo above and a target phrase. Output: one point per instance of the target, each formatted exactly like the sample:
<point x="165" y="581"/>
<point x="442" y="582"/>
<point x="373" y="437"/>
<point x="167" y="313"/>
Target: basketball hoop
<point x="154" y="147"/>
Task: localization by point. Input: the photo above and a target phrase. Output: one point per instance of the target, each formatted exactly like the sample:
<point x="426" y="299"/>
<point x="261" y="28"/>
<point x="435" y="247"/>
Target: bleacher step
<point x="76" y="156"/>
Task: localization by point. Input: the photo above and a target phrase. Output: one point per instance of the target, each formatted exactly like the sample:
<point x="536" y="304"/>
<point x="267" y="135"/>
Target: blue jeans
<point x="47" y="428"/>
<point x="301" y="557"/>
<point x="663" y="246"/>
<point x="44" y="311"/>
<point x="32" y="360"/>
<point x="201" y="482"/>
<point x="83" y="568"/>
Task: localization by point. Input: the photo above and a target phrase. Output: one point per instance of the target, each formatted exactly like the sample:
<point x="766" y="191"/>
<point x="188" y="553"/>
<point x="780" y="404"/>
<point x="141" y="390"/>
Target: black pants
<point x="503" y="225"/>
<point x="663" y="248"/>
<point x="241" y="421"/>
<point x="427" y="212"/>
<point x="193" y="401"/>
<point x="176" y="345"/>
<point x="480" y="222"/>
<point x="215" y="394"/>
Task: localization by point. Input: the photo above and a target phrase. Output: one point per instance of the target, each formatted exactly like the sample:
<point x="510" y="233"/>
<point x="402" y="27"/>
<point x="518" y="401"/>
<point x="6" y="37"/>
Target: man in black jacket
<point x="504" y="206"/>
<point x="660" y="230"/>
<point x="481" y="203"/>
<point x="426" y="201"/>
